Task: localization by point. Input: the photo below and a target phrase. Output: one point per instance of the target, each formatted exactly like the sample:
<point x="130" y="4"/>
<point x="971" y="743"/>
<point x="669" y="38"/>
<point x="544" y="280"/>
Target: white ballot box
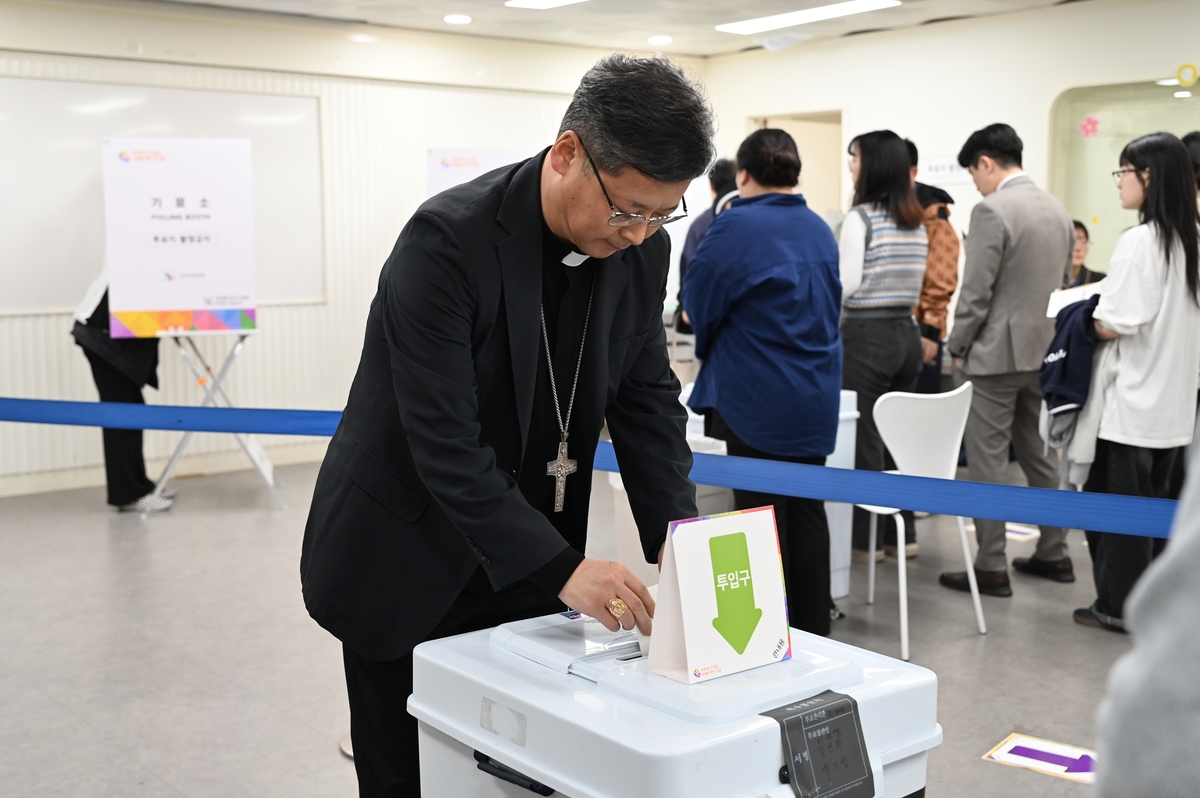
<point x="560" y="706"/>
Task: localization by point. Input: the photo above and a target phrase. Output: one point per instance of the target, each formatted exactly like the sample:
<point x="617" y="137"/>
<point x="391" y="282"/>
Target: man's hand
<point x="929" y="350"/>
<point x="958" y="361"/>
<point x="596" y="582"/>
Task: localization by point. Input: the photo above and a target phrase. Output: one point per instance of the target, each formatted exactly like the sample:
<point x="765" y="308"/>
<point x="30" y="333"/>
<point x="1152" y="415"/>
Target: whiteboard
<point x="52" y="202"/>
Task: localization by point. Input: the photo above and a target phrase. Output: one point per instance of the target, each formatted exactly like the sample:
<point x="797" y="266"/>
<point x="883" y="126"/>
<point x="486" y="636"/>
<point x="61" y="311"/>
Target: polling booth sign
<point x="721" y="606"/>
<point x="179" y="225"/>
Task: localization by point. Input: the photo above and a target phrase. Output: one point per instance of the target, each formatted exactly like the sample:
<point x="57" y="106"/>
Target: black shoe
<point x="1087" y="616"/>
<point x="1057" y="570"/>
<point x="991" y="583"/>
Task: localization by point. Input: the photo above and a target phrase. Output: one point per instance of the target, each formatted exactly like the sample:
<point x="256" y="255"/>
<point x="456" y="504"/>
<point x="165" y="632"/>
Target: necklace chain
<point x="564" y="425"/>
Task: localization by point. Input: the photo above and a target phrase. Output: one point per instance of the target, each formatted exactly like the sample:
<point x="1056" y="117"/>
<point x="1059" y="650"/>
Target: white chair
<point x="923" y="432"/>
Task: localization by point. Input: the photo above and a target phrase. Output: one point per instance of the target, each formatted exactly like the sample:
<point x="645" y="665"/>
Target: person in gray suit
<point x="1017" y="252"/>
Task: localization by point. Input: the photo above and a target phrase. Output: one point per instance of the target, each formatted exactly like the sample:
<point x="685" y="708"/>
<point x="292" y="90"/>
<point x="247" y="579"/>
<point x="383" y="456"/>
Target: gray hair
<point x="645" y="113"/>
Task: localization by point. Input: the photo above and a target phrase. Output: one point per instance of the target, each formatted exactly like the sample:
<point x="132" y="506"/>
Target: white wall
<point x="375" y="132"/>
<point x="384" y="104"/>
<point x="938" y="83"/>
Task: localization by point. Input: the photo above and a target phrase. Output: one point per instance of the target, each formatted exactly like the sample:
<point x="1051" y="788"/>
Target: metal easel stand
<point x="214" y="393"/>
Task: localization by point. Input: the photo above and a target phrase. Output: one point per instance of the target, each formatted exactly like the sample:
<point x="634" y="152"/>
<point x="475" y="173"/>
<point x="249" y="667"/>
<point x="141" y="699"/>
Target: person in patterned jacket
<point x="941" y="277"/>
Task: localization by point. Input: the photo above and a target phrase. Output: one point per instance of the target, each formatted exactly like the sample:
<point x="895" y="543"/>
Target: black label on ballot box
<point x="824" y="748"/>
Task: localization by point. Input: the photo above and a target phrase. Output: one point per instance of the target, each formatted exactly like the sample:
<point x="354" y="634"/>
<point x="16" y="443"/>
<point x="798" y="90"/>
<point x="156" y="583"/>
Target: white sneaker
<point x="148" y="504"/>
<point x="862" y="556"/>
<point x="169" y="493"/>
<point x="911" y="550"/>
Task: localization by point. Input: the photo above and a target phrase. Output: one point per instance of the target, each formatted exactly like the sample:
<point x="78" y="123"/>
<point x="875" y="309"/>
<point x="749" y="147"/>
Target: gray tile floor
<point x="173" y="655"/>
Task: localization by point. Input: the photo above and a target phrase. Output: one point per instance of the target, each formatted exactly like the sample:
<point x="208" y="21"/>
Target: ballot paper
<point x="721" y="605"/>
<point x="1067" y="296"/>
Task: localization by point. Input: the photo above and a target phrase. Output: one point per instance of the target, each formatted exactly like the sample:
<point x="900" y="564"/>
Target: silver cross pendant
<point x="559" y="468"/>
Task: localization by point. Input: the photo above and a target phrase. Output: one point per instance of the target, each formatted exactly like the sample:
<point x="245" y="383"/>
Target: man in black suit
<point x="515" y="315"/>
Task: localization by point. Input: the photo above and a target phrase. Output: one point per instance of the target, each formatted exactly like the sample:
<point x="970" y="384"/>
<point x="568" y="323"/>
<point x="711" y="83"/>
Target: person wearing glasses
<point x="763" y="296"/>
<point x="1149" y="309"/>
<point x="516" y="315"/>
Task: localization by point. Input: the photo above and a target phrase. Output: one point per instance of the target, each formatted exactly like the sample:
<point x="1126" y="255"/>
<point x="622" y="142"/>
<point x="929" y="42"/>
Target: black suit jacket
<point x="419" y="485"/>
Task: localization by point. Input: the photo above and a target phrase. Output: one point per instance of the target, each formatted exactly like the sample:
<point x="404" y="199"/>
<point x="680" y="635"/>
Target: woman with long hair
<point x="883" y="249"/>
<point x="1149" y="312"/>
<point x="763" y="296"/>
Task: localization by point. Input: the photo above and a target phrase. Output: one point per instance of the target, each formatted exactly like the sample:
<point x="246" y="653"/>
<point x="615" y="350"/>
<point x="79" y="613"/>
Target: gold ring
<point x="617" y="607"/>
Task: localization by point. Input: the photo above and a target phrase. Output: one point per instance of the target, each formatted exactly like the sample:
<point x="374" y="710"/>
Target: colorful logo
<point x="696" y="673"/>
<point x="170" y="277"/>
<point x="460" y="163"/>
<point x="124" y="156"/>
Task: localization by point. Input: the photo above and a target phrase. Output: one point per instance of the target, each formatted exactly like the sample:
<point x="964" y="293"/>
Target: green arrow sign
<point x="737" y="617"/>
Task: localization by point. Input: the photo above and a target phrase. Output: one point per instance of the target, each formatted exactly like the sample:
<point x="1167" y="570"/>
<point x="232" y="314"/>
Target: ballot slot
<point x="558" y="641"/>
<point x="611" y="661"/>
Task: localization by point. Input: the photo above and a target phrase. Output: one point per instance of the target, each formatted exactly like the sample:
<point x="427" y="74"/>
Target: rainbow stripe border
<point x="152" y="323"/>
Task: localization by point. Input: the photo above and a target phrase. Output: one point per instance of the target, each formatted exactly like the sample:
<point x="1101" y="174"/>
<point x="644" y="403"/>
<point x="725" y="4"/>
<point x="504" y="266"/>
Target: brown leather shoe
<point x="992" y="583"/>
<point x="1058" y="570"/>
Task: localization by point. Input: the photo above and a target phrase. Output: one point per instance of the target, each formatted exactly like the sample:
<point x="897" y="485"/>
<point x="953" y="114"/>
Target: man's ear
<point x="985" y="164"/>
<point x="565" y="152"/>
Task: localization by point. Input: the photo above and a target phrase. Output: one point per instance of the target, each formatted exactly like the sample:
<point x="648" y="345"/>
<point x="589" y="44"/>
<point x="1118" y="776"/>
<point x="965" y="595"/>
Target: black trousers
<point x="386" y="756"/>
<point x="124" y="463"/>
<point x="879" y="356"/>
<point x="803" y="538"/>
<point x="1118" y="561"/>
<point x="930" y="378"/>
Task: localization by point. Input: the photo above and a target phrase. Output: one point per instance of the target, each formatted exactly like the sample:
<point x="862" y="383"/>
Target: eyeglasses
<point x="1120" y="172"/>
<point x="622" y="219"/>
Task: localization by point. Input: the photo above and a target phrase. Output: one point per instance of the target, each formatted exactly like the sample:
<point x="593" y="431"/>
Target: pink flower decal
<point x="1089" y="127"/>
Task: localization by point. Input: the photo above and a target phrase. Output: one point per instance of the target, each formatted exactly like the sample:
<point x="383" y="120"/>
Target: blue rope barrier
<point x="117" y="415"/>
<point x="1128" y="515"/>
<point x="1098" y="512"/>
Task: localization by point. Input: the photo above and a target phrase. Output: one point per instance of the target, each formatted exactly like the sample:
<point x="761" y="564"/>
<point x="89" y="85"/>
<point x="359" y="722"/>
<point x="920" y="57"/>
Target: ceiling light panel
<point x="541" y="5"/>
<point x="762" y="24"/>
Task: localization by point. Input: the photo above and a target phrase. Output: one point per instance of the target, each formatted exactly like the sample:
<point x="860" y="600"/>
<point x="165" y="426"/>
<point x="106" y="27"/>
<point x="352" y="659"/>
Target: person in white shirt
<point x="1150" y="312"/>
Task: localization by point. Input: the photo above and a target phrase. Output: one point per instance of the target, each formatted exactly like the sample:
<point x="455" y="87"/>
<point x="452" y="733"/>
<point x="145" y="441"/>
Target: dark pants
<point x="124" y="463"/>
<point x="880" y="355"/>
<point x="803" y="538"/>
<point x="384" y="735"/>
<point x="1118" y="561"/>
<point x="930" y="378"/>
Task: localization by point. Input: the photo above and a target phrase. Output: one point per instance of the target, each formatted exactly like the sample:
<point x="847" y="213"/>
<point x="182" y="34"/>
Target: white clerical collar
<point x="573" y="259"/>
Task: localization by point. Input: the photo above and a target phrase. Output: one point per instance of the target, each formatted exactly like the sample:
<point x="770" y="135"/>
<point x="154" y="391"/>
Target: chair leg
<point x="966" y="547"/>
<point x="871" y="561"/>
<point x="903" y="574"/>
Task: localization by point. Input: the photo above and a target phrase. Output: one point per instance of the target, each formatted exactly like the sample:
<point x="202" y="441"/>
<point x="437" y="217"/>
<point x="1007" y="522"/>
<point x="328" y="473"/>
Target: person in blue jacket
<point x="763" y="295"/>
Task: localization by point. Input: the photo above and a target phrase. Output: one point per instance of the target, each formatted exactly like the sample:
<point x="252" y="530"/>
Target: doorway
<point x="1089" y="127"/>
<point x="822" y="167"/>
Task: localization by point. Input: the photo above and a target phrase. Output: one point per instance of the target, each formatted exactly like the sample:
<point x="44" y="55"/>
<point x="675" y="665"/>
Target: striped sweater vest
<point x="894" y="266"/>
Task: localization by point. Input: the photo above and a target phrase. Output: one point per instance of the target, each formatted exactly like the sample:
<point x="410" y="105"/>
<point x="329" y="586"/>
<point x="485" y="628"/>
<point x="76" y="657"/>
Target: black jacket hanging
<point x="1066" y="370"/>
